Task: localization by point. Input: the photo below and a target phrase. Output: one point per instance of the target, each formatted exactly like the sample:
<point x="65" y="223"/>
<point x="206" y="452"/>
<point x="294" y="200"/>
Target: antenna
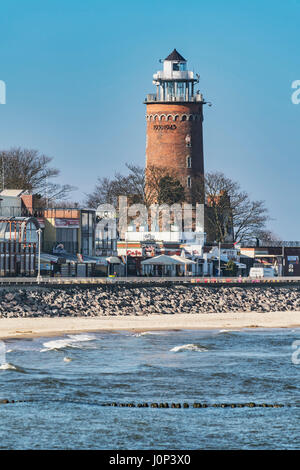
<point x="3" y="176"/>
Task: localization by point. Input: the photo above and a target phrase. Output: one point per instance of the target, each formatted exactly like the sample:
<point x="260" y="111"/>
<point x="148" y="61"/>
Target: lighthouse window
<point x="179" y="66"/>
<point x="180" y="90"/>
<point x="189" y="182"/>
<point x="170" y="88"/>
<point x="188" y="141"/>
<point x="189" y="162"/>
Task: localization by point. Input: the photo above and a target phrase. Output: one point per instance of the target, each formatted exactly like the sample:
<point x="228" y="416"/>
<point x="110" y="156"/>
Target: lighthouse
<point x="174" y="118"/>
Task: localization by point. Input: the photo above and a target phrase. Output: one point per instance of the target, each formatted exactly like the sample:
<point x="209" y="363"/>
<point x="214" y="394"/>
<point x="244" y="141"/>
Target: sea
<point x="61" y="384"/>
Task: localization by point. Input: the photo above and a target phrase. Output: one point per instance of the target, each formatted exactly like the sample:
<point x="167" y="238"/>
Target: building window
<point x="189" y="161"/>
<point x="189" y="182"/>
<point x="180" y="91"/>
<point x="68" y="237"/>
<point x="188" y="140"/>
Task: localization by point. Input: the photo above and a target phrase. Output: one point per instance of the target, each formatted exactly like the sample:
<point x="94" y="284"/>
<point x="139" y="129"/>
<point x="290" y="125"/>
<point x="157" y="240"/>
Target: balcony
<point x="152" y="98"/>
<point x="162" y="75"/>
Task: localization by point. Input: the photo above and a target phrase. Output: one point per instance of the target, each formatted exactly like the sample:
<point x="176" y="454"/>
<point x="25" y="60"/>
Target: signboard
<point x="67" y="223"/>
<point x="149" y="250"/>
<point x="135" y="252"/>
<point x="166" y="127"/>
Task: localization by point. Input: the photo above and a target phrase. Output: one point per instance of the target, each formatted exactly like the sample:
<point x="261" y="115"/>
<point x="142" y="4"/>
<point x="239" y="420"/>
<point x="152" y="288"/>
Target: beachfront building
<point x="216" y="261"/>
<point x="70" y="243"/>
<point x="69" y="230"/>
<point x="282" y="256"/>
<point x="106" y="234"/>
<point x="18" y="246"/>
<point x="139" y="245"/>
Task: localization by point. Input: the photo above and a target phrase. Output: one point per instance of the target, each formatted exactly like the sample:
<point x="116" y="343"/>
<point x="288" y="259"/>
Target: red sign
<point x="134" y="252"/>
<point x="65" y="223"/>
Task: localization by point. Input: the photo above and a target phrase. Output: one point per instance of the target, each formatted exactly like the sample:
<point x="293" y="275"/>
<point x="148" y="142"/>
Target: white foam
<point x="144" y="333"/>
<point x="8" y="366"/>
<point x="69" y="342"/>
<point x="67" y="359"/>
<point x="82" y="337"/>
<point x="188" y="347"/>
<point x="228" y="331"/>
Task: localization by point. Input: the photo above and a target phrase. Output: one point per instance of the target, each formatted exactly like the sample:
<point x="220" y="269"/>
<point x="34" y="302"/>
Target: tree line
<point x="227" y="207"/>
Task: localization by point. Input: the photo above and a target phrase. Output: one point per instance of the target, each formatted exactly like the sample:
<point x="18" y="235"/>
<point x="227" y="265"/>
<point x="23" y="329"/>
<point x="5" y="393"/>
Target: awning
<point x="85" y="259"/>
<point x="47" y="258"/>
<point x="267" y="256"/>
<point x="162" y="260"/>
<point x="184" y="260"/>
<point x="113" y="260"/>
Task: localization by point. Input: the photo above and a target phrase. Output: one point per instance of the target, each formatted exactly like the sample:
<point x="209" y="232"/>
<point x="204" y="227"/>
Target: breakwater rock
<point x="123" y="300"/>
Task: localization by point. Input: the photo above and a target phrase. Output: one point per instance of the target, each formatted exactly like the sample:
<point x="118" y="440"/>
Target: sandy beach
<point x="31" y="327"/>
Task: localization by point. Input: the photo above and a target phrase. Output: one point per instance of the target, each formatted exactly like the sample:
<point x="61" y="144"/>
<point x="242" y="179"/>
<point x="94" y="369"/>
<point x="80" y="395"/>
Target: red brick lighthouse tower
<point x="174" y="121"/>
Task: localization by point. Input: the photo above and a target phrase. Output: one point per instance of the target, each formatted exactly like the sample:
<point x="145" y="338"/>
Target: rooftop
<point x="12" y="192"/>
<point x="175" y="56"/>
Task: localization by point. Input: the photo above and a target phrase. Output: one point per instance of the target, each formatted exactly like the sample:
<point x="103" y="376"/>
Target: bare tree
<point x="267" y="236"/>
<point x="230" y="214"/>
<point x="108" y="190"/>
<point x="144" y="186"/>
<point x="29" y="170"/>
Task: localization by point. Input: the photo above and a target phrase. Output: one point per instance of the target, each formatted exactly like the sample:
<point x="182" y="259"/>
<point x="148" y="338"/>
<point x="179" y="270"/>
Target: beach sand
<point x="32" y="327"/>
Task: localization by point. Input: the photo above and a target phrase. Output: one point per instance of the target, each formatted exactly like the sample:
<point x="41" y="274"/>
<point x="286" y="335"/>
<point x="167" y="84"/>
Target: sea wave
<point x="9" y="366"/>
<point x="145" y="333"/>
<point x="228" y="331"/>
<point x="189" y="347"/>
<point x="71" y="341"/>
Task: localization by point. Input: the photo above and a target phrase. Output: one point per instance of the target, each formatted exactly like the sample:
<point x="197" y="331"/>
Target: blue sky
<point x="77" y="73"/>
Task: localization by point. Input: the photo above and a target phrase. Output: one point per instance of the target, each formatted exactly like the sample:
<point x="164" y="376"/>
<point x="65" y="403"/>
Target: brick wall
<point x="169" y="128"/>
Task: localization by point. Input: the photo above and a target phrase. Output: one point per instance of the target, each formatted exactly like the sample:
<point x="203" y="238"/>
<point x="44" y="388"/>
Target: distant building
<point x="283" y="256"/>
<point x="106" y="234"/>
<point x="18" y="246"/>
<point x="69" y="231"/>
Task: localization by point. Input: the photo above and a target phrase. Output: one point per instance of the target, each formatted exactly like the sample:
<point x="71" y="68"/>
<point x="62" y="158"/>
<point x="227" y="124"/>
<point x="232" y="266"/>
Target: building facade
<point x="69" y="231"/>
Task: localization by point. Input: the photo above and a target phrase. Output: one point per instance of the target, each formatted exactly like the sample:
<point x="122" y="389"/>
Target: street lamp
<point x="39" y="277"/>
<point x="219" y="267"/>
<point x="126" y="256"/>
